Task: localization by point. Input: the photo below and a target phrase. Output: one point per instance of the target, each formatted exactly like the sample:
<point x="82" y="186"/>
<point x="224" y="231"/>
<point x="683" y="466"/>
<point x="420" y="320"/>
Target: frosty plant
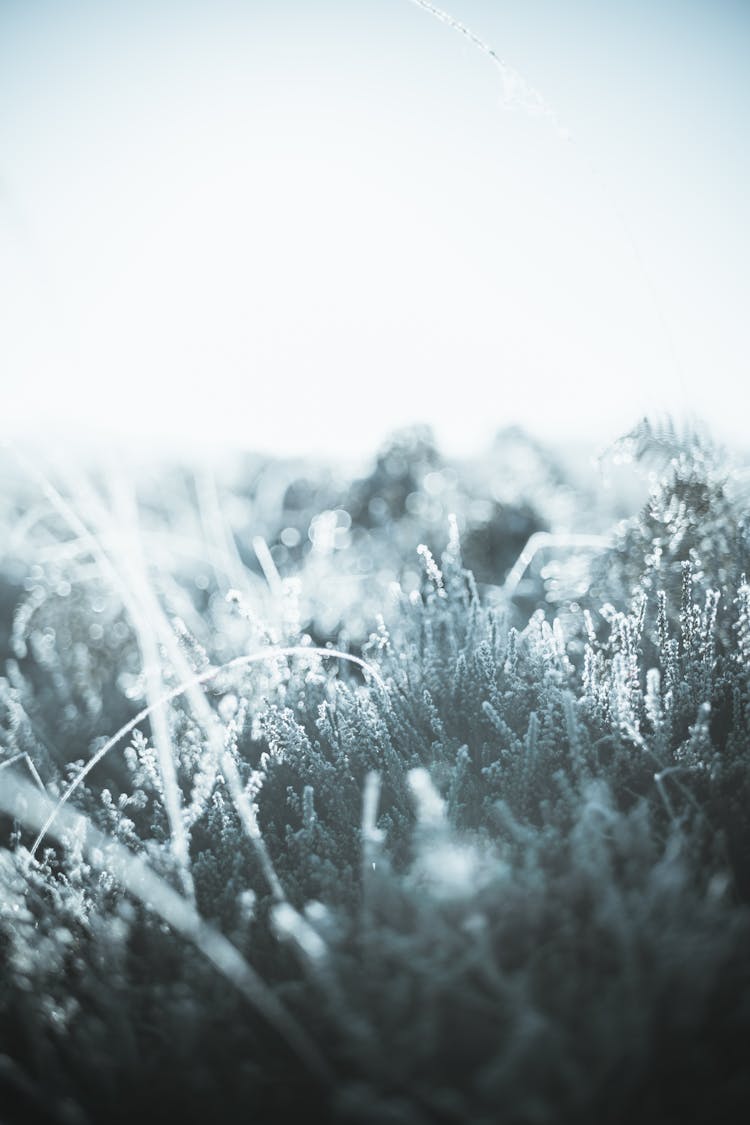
<point x="529" y="825"/>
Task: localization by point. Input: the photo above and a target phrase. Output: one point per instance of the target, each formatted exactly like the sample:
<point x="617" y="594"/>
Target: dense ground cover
<point x="485" y="857"/>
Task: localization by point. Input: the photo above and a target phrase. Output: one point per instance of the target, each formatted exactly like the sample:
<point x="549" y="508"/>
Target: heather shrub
<point x="486" y="860"/>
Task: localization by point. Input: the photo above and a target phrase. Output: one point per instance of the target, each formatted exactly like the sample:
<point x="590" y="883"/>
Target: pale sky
<point x="292" y="225"/>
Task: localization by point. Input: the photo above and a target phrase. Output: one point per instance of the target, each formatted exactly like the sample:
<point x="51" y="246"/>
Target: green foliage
<point x="497" y="870"/>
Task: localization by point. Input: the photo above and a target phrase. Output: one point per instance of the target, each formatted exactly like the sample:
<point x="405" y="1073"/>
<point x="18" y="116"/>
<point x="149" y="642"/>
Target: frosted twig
<point x="267" y="565"/>
<point x="26" y="758"/>
<point x="516" y="90"/>
<point x="542" y="539"/>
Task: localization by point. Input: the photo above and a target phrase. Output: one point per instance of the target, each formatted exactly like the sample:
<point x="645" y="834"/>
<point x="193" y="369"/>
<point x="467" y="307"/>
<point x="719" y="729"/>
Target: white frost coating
<point x="26" y="759"/>
<point x="371" y="834"/>
<point x="430" y="805"/>
<point x="290" y="925"/>
<point x="450" y="870"/>
<point x="541" y="540"/>
<point x="267" y="565"/>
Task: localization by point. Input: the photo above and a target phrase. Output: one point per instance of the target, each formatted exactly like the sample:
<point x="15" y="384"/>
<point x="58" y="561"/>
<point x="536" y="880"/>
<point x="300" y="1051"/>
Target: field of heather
<point x="413" y="796"/>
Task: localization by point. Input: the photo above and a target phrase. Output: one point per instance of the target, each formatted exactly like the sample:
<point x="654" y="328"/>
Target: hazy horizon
<point x="295" y="227"/>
